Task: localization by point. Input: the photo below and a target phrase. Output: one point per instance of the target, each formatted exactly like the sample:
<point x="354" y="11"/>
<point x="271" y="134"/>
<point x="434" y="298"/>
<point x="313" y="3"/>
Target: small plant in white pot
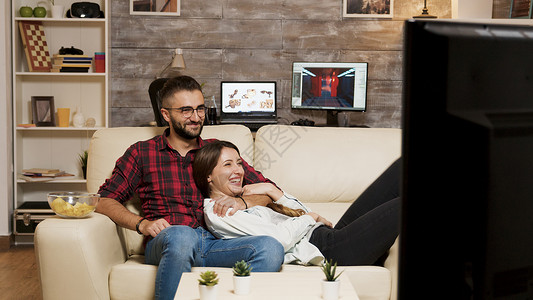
<point x="330" y="285"/>
<point x="241" y="277"/>
<point x="208" y="285"/>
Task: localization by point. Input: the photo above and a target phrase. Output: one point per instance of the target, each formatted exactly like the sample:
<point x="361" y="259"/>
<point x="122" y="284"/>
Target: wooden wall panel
<point x="348" y="34"/>
<point x="258" y="40"/>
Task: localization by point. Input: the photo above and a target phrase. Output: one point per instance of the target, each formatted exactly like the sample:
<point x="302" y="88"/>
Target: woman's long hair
<point x="206" y="159"/>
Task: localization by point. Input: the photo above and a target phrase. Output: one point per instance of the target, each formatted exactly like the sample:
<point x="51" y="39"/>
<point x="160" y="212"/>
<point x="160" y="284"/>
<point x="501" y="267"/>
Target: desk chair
<point x="155" y="98"/>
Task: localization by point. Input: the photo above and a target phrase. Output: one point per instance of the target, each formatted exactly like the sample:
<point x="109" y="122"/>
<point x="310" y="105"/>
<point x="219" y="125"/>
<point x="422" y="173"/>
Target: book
<point x="35" y="178"/>
<point x="69" y="55"/>
<point x="59" y="61"/>
<point x="74" y="69"/>
<point x="72" y="65"/>
<point x="41" y="171"/>
<point x="71" y="69"/>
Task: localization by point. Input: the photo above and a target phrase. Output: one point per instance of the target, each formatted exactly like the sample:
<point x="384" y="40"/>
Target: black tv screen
<point x="467" y="182"/>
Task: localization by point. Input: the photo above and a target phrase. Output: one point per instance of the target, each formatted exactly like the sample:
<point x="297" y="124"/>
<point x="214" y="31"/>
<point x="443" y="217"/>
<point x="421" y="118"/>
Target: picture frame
<point x="155" y="7"/>
<point x="43" y="111"/>
<point x="373" y="9"/>
<point x="521" y="9"/>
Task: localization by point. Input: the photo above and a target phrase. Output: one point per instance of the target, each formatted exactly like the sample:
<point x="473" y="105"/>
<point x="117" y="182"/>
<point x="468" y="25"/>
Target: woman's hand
<point x="319" y="218"/>
<point x="153" y="228"/>
<point x="264" y="188"/>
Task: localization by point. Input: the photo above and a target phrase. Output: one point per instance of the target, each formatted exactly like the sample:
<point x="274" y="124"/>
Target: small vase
<point x="78" y="120"/>
<point x="57" y="11"/>
<point x="241" y="285"/>
<point x="330" y="289"/>
<point x="208" y="292"/>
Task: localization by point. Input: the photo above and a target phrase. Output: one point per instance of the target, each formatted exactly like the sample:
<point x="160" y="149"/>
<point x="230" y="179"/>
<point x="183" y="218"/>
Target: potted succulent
<point x="208" y="285"/>
<point x="241" y="277"/>
<point x="330" y="285"/>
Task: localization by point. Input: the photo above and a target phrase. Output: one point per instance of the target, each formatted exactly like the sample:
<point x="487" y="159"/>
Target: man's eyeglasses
<point x="187" y="111"/>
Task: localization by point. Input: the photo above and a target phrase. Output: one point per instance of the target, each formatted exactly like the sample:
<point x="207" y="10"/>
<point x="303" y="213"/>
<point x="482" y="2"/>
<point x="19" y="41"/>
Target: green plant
<point x="329" y="270"/>
<point x="208" y="278"/>
<point x="83" y="157"/>
<point x="242" y="268"/>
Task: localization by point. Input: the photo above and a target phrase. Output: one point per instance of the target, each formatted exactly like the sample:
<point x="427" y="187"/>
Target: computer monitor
<point x="332" y="87"/>
<point x="467" y="183"/>
<point x="248" y="102"/>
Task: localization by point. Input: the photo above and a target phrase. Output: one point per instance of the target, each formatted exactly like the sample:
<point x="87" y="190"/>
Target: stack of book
<point x="38" y="174"/>
<point x="71" y="63"/>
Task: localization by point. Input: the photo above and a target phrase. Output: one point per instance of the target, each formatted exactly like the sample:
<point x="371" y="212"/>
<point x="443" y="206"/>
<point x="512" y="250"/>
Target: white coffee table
<point x="282" y="285"/>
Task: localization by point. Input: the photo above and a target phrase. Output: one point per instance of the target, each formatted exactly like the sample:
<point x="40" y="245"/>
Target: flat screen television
<point x="467" y="182"/>
<point x="332" y="87"/>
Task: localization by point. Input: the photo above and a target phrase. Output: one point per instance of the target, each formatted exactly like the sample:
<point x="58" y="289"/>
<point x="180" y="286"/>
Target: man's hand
<point x="153" y="228"/>
<point x="225" y="202"/>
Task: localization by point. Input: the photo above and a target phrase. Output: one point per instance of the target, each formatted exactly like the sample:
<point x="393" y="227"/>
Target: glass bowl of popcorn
<point x="73" y="204"/>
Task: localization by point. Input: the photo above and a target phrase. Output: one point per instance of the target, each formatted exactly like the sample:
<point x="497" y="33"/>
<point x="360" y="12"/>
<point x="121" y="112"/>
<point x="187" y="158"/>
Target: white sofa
<point x="327" y="168"/>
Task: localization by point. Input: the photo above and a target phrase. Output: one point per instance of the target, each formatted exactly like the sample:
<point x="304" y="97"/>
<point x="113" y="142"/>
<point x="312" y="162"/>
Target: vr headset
<point x="85" y="10"/>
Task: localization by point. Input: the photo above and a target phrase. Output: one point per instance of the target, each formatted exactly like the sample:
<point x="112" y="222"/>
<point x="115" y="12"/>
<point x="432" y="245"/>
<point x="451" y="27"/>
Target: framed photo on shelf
<point x="367" y="8"/>
<point x="155" y="7"/>
<point x="42" y="108"/>
<point x="520" y="9"/>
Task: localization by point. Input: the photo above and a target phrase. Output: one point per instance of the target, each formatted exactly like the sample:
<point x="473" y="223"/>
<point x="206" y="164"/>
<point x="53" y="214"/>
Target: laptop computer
<point x="250" y="103"/>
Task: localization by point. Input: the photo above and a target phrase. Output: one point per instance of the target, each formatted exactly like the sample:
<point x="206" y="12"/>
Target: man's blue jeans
<point x="177" y="249"/>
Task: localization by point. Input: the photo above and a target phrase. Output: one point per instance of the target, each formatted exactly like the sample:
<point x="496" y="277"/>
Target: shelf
<point x="72" y="180"/>
<point x="52" y="128"/>
<point x="59" y="74"/>
<point x="85" y="92"/>
<point x="61" y="19"/>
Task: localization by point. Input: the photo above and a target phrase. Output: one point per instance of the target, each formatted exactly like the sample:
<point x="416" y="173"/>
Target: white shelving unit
<point x="57" y="147"/>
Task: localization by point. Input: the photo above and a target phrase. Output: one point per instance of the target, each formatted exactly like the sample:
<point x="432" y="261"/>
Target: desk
<point x="277" y="285"/>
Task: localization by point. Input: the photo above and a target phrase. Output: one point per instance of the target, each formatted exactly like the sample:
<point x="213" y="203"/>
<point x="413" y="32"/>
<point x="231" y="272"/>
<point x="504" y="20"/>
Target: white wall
<point x="6" y="186"/>
<point x="472" y="9"/>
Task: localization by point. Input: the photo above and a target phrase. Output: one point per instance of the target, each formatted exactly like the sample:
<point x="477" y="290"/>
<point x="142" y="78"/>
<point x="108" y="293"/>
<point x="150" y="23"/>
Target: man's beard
<point x="182" y="131"/>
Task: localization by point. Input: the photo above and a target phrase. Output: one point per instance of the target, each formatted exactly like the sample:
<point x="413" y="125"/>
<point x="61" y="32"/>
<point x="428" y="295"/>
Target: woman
<point x="363" y="235"/>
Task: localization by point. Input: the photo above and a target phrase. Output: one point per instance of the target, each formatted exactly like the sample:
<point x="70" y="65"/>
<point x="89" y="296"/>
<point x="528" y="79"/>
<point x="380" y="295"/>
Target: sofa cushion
<point x="325" y="164"/>
<point x="108" y="144"/>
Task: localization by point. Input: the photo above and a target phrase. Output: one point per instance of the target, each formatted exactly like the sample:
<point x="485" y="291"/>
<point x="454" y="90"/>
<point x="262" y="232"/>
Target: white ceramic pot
<point x="208" y="292"/>
<point x="330" y="289"/>
<point x="242" y="285"/>
<point x="57" y="11"/>
<point x="78" y="120"/>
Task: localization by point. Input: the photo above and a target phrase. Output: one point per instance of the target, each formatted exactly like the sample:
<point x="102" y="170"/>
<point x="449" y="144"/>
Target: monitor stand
<point x="332" y="118"/>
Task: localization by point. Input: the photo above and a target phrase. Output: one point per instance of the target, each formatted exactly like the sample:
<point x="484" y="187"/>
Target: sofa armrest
<point x="75" y="256"/>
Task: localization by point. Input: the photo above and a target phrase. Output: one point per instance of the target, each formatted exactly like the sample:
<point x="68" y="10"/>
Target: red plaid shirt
<point x="163" y="180"/>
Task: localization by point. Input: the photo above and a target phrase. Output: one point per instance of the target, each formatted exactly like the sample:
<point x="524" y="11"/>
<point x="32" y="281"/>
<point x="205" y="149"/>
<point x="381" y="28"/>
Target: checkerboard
<point x="35" y="46"/>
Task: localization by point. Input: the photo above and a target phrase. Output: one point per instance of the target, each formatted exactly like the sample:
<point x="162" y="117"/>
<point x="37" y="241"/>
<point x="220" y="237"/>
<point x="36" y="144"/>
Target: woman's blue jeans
<point x="178" y="248"/>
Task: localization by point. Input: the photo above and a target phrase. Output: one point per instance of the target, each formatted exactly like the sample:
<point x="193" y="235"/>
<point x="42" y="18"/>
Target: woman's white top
<point x="292" y="232"/>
